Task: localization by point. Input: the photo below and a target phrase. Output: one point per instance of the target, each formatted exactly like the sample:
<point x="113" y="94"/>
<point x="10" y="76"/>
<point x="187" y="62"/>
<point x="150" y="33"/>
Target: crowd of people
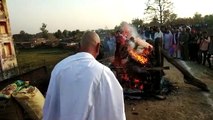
<point x="183" y="42"/>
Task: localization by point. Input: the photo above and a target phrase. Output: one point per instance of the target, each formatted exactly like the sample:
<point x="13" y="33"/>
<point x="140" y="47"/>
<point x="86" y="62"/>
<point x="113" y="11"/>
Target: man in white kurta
<point x="81" y="88"/>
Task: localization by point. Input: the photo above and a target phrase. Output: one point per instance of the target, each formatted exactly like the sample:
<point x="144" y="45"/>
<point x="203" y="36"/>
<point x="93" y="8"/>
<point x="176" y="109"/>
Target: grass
<point x="33" y="58"/>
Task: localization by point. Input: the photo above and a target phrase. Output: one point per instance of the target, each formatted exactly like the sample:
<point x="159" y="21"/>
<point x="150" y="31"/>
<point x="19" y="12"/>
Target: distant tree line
<point x="75" y="35"/>
<point x="161" y="13"/>
<point x="24" y="36"/>
<point x="196" y="20"/>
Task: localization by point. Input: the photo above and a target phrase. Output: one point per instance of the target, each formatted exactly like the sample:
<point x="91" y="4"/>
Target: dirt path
<point x="187" y="103"/>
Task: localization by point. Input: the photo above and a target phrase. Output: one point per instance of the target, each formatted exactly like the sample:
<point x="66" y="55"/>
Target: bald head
<point x="90" y="43"/>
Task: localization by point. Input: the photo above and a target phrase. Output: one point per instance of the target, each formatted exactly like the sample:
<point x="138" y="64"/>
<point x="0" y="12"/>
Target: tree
<point x="160" y="9"/>
<point x="22" y="36"/>
<point x="183" y="21"/>
<point x="137" y="22"/>
<point x="197" y="18"/>
<point x="22" y="32"/>
<point x="58" y="34"/>
<point x="168" y="17"/>
<point x="75" y="34"/>
<point x="65" y="33"/>
<point x="154" y="22"/>
<point x="116" y="28"/>
<point x="165" y="16"/>
<point x="44" y="30"/>
<point x="172" y="17"/>
<point x="208" y="19"/>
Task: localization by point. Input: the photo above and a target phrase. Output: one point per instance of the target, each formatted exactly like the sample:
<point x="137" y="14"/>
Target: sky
<point x="28" y="15"/>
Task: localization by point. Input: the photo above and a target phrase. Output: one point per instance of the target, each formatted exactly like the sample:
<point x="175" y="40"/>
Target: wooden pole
<point x="189" y="78"/>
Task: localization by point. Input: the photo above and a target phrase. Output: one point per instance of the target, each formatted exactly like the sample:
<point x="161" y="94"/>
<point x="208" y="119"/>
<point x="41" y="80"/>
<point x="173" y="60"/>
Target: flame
<point x="147" y="51"/>
<point x="138" y="57"/>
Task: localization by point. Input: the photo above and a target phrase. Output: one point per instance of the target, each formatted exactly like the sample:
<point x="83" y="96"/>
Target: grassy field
<point x="33" y="58"/>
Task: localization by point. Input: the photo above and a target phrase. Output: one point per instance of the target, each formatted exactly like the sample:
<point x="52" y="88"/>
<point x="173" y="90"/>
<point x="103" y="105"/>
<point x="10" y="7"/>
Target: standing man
<point x="81" y="88"/>
<point x="167" y="40"/>
<point x="175" y="42"/>
<point x="204" y="47"/>
<point x="193" y="51"/>
<point x="158" y="39"/>
<point x="158" y="34"/>
<point x="184" y="42"/>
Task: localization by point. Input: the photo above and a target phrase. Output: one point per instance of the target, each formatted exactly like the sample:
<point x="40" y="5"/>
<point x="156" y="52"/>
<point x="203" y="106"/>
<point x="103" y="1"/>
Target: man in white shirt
<point x="81" y="88"/>
<point x="158" y="34"/>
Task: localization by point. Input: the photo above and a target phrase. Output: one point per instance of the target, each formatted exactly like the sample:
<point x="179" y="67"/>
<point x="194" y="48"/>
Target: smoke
<point x="130" y="31"/>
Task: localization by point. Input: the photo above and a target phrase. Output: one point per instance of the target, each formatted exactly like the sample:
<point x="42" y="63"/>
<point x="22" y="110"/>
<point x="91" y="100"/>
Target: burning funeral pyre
<point x="141" y="72"/>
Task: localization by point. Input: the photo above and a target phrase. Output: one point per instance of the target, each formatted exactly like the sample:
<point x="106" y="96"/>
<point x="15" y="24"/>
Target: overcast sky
<point x="28" y="15"/>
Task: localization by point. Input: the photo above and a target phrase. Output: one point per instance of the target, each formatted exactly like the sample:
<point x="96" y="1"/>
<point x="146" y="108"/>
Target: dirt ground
<point x="186" y="103"/>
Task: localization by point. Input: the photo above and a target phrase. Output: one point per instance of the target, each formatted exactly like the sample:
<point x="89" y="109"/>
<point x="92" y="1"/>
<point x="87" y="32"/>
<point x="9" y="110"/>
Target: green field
<point x="34" y="58"/>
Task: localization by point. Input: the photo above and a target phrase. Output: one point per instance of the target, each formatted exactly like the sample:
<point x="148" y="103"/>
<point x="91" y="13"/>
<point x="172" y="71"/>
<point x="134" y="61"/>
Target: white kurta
<point x="81" y="88"/>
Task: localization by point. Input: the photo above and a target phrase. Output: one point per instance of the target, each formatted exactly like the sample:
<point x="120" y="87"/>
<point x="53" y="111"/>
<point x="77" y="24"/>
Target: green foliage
<point x="116" y="28"/>
<point x="75" y="34"/>
<point x="137" y="22"/>
<point x="58" y="34"/>
<point x="197" y="18"/>
<point x="22" y="36"/>
<point x="44" y="30"/>
<point x="154" y="22"/>
<point x="208" y="19"/>
<point x="22" y="32"/>
<point x="65" y="33"/>
<point x="172" y="17"/>
<point x="168" y="17"/>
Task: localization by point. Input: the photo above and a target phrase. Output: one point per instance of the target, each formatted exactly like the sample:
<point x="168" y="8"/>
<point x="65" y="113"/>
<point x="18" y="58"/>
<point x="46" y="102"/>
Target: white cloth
<point x="158" y="35"/>
<point x="142" y="43"/>
<point x="81" y="88"/>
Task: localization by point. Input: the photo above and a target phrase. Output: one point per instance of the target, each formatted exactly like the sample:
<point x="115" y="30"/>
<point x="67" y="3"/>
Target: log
<point x="159" y="58"/>
<point x="156" y="68"/>
<point x="188" y="77"/>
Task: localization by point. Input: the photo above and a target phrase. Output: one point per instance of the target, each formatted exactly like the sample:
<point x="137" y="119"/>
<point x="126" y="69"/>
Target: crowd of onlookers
<point x="182" y="42"/>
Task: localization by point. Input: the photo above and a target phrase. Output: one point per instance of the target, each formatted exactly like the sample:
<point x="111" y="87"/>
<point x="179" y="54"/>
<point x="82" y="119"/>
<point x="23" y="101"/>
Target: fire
<point x="138" y="57"/>
<point x="147" y="51"/>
